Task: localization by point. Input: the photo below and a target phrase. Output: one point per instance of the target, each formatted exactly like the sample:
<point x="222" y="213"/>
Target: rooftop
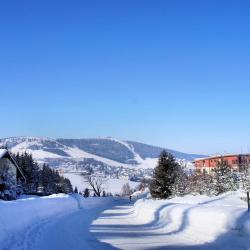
<point x="2" y="152"/>
<point x="219" y="156"/>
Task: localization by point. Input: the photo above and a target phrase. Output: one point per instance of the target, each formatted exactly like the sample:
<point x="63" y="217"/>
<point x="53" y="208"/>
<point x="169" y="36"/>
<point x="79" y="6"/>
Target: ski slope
<point x="45" y="149"/>
<point x="191" y="222"/>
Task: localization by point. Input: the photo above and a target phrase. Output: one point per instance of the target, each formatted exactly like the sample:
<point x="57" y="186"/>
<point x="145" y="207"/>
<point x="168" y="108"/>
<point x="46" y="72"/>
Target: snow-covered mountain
<point x="74" y="154"/>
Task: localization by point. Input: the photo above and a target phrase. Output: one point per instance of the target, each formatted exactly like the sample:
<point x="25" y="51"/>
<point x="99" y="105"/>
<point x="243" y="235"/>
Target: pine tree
<point x="8" y="189"/>
<point x="201" y="184"/>
<point x="224" y="178"/>
<point x="244" y="178"/>
<point x="76" y="190"/>
<point x="180" y="186"/>
<point x="31" y="171"/>
<point x="66" y="186"/>
<point x="42" y="180"/>
<point x="48" y="180"/>
<point x="164" y="177"/>
<point x="86" y="193"/>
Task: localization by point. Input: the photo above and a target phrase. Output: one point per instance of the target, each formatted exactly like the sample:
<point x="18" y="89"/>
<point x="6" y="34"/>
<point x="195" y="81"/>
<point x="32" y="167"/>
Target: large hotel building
<point x="235" y="161"/>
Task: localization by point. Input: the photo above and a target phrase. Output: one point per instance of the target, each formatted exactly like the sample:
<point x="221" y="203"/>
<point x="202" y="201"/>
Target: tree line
<point x="39" y="180"/>
<point x="171" y="179"/>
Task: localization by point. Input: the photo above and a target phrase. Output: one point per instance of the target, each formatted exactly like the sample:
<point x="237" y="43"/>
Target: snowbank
<point x="212" y="218"/>
<point x="20" y="215"/>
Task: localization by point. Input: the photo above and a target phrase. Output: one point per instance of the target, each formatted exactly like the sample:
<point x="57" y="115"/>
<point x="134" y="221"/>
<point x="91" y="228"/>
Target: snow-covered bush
<point x="201" y="184"/>
<point x="8" y="187"/>
<point x="224" y="178"/>
<point x="181" y="185"/>
<point x="243" y="178"/>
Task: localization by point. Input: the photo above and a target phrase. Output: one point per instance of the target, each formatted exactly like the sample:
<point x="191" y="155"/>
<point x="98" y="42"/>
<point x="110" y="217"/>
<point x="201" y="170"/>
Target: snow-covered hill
<point x="110" y="151"/>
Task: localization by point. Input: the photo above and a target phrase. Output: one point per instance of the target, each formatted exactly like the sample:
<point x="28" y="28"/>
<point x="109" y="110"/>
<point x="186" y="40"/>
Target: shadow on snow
<point x="233" y="239"/>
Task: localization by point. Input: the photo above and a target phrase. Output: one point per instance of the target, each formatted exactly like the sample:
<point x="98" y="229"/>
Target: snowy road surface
<point x="181" y="223"/>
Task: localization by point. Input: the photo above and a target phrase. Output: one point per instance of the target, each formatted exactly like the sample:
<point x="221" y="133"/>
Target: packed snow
<point x="73" y="222"/>
<point x="190" y="222"/>
<point x="24" y="222"/>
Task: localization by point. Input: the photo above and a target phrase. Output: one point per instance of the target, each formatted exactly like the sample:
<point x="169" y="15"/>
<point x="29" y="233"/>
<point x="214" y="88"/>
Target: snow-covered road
<point x="122" y="228"/>
<point x="51" y="223"/>
<point x="181" y="223"/>
<point x="69" y="232"/>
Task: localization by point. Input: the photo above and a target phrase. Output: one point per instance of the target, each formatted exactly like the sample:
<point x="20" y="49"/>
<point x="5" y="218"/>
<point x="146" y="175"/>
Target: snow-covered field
<point x="110" y="185"/>
<point x="72" y="222"/>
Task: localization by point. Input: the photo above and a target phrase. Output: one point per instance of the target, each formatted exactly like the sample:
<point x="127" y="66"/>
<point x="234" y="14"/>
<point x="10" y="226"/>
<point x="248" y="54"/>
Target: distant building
<point x="235" y="161"/>
<point x="6" y="160"/>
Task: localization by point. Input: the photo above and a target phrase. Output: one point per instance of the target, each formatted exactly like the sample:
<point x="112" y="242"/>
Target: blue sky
<point x="169" y="73"/>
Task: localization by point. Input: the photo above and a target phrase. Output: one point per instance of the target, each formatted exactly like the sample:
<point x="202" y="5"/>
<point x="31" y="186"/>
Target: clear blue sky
<point x="169" y="73"/>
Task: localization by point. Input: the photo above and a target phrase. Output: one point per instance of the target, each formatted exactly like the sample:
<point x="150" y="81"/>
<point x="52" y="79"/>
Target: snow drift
<point x="18" y="216"/>
<point x="222" y="221"/>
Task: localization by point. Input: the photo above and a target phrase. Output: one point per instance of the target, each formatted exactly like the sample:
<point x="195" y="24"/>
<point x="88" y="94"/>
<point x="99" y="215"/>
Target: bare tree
<point x="126" y="190"/>
<point x="97" y="184"/>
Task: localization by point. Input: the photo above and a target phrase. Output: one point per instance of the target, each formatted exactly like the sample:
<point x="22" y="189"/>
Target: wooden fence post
<point x="248" y="202"/>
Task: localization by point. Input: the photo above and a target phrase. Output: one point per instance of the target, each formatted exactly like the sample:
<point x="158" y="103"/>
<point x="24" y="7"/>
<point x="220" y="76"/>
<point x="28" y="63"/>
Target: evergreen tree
<point x="76" y="190"/>
<point x="164" y="177"/>
<point x="42" y="180"/>
<point x="201" y="184"/>
<point x="224" y="178"/>
<point x="244" y="178"/>
<point x="8" y="186"/>
<point x="66" y="186"/>
<point x="31" y="171"/>
<point x="180" y="186"/>
<point x="47" y="180"/>
<point x="86" y="193"/>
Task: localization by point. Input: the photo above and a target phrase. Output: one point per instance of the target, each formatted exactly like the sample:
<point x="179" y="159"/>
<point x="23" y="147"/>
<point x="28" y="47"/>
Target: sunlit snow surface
<point x="73" y="222"/>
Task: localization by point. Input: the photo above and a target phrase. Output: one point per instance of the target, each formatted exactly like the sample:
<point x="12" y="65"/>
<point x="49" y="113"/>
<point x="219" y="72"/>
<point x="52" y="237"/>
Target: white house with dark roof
<point x="6" y="160"/>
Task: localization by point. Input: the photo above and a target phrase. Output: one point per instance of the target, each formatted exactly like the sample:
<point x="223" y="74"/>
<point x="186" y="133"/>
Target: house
<point x="235" y="161"/>
<point x="7" y="161"/>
